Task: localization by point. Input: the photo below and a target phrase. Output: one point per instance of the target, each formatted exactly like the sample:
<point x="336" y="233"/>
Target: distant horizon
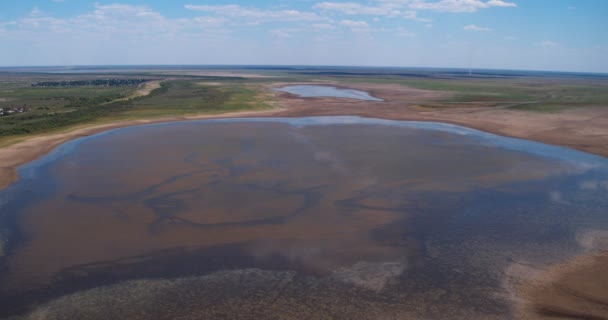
<point x="538" y="35"/>
<point x="261" y="66"/>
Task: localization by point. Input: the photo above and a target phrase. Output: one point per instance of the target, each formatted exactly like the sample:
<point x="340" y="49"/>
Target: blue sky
<point x="566" y="35"/>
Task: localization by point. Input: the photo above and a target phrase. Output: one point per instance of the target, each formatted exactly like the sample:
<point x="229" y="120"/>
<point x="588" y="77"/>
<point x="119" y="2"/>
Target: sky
<point x="559" y="35"/>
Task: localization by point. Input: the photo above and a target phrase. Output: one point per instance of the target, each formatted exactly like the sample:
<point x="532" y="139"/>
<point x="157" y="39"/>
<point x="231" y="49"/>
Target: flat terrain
<point x="352" y="206"/>
<point x="584" y="128"/>
<point x="564" y="109"/>
<point x="560" y="109"/>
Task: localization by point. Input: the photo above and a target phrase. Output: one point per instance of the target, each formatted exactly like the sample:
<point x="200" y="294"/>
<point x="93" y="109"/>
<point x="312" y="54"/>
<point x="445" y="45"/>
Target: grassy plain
<point x="54" y="109"/>
<point x="533" y="94"/>
<point x="188" y="92"/>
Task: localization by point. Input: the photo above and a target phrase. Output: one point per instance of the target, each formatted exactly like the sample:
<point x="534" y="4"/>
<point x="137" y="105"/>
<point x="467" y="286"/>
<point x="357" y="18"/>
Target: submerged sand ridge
<point x="361" y="210"/>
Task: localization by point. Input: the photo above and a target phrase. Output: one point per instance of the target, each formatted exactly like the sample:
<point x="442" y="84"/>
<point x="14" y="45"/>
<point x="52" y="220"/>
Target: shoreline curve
<point x="20" y="153"/>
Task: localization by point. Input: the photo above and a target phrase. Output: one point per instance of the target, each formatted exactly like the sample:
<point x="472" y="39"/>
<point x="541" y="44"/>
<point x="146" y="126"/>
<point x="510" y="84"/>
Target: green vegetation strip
<point x="536" y="94"/>
<point x="73" y="106"/>
<point x="36" y="110"/>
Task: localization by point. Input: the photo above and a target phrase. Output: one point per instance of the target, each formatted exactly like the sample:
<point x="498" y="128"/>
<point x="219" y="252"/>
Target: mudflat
<point x="332" y="211"/>
<point x="559" y="288"/>
<point x="572" y="290"/>
<point x="31" y="148"/>
<point x="584" y="129"/>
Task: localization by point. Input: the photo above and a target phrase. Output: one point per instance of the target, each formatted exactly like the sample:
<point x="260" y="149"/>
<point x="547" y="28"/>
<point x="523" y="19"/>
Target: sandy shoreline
<point x="584" y="129"/>
<point x="15" y="155"/>
<point x="574" y="289"/>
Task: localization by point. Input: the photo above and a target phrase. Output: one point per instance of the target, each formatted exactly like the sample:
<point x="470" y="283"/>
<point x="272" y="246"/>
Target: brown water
<point x="306" y="218"/>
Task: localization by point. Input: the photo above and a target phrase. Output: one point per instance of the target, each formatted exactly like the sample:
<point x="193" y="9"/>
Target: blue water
<point x="310" y="91"/>
<point x="348" y="199"/>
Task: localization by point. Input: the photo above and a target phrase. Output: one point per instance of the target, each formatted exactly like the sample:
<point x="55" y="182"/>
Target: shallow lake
<point x="310" y="91"/>
<point x="301" y="218"/>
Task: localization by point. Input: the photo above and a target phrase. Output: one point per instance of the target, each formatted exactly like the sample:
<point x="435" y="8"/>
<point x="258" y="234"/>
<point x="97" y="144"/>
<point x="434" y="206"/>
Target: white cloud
<point x="119" y="33"/>
<point x="500" y="3"/>
<point x="117" y="18"/>
<point x="123" y="10"/>
<point x="205" y="22"/>
<point x="407" y="8"/>
<point x="458" y="5"/>
<point x="259" y="15"/>
<point x="352" y="8"/>
<point x="473" y="27"/>
<point x="8" y="23"/>
<point x="384" y="8"/>
<point x="354" y="24"/>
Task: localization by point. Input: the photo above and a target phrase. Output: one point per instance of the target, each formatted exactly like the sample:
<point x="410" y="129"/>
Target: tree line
<point x="96" y="82"/>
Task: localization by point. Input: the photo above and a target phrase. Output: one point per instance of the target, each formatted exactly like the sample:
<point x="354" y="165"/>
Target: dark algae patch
<point x="304" y="218"/>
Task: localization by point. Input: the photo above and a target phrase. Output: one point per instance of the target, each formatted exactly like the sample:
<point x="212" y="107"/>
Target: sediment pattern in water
<point x="349" y="219"/>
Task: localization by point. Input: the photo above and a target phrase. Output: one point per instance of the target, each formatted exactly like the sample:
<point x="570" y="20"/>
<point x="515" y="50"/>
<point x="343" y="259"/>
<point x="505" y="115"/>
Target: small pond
<point x="310" y="91"/>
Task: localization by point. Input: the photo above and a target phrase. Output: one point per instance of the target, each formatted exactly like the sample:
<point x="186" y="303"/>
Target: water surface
<point x="306" y="218"/>
<point x="309" y="91"/>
